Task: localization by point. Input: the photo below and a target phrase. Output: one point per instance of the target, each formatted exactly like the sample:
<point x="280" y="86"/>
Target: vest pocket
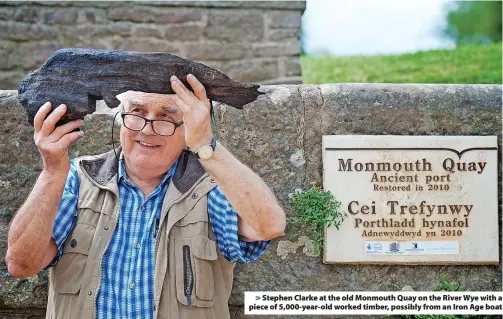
<point x="68" y="271"/>
<point x="192" y="218"/>
<point x="194" y="258"/>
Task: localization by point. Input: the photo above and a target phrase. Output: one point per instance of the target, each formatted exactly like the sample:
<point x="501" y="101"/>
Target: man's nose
<point x="148" y="129"/>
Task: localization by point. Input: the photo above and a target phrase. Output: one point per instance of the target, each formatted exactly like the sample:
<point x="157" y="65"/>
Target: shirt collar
<point x="122" y="171"/>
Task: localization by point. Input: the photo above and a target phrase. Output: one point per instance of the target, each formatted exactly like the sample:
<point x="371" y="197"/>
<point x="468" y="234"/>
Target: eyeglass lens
<point x="137" y="123"/>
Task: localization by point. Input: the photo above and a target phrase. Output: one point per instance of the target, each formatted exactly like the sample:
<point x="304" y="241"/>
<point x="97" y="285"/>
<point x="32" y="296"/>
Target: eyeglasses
<point x="160" y="127"/>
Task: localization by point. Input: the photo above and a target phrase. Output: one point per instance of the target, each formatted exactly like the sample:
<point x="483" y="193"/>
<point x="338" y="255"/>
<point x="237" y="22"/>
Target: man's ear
<point x="182" y="131"/>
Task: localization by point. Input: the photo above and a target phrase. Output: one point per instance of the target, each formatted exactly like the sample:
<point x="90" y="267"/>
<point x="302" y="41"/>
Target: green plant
<point x="447" y="286"/>
<point x="315" y="209"/>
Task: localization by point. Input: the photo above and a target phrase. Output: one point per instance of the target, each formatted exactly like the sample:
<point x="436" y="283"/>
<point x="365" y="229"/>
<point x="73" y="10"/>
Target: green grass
<point x="471" y="64"/>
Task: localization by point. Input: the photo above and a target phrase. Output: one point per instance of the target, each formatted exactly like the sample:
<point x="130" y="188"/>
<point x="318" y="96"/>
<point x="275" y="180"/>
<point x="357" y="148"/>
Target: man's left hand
<point x="196" y="111"/>
<point x="260" y="215"/>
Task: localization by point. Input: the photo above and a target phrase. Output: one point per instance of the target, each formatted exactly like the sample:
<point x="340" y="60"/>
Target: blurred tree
<point x="477" y="22"/>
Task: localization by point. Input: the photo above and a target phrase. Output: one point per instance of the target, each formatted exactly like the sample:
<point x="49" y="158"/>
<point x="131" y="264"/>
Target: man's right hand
<point x="52" y="142"/>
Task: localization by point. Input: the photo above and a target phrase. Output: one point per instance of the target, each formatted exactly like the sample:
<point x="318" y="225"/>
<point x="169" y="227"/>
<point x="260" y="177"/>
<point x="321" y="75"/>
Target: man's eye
<point x="135" y="110"/>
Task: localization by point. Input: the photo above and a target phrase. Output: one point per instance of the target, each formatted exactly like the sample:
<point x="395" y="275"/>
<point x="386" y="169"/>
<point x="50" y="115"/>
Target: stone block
<point x="291" y="66"/>
<point x="33" y="54"/>
<point x="145" y="45"/>
<point x="284" y="19"/>
<point x="283" y="80"/>
<point x="16" y="172"/>
<point x="252" y="70"/>
<point x="264" y="136"/>
<point x="106" y="43"/>
<point x="276" y="49"/>
<point x="9" y="80"/>
<point x="153" y="14"/>
<point x="8" y="58"/>
<point x="146" y="31"/>
<point x="288" y="5"/>
<point x="19" y="31"/>
<point x="23" y="293"/>
<point x="96" y="30"/>
<point x="38" y="313"/>
<point x="214" y="51"/>
<point x="6" y="13"/>
<point x="177" y="15"/>
<point x="183" y="32"/>
<point x="235" y="26"/>
<point x="410" y="109"/>
<point x="283" y="35"/>
<point x="66" y="16"/>
<point x="312" y="99"/>
<point x="134" y="14"/>
<point x="4" y="59"/>
<point x="92" y="15"/>
<point x="26" y="14"/>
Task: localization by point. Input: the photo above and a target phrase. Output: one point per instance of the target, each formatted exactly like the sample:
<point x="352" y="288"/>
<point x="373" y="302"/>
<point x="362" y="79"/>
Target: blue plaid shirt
<point x="127" y="280"/>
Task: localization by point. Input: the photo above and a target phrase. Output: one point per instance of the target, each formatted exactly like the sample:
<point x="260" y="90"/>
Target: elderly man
<point x="151" y="233"/>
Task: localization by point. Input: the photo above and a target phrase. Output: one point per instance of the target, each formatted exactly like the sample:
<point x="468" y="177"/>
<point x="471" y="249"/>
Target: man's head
<point x="147" y="153"/>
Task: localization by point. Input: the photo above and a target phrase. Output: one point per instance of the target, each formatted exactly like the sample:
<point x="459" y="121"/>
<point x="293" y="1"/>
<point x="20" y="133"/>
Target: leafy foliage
<point x="473" y="22"/>
<point x="315" y="209"/>
<point x="470" y="64"/>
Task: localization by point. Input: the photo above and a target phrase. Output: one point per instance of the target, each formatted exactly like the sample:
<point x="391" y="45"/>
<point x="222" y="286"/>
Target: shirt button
<point x="142" y="207"/>
<point x="131" y="286"/>
<point x="137" y="246"/>
<point x="90" y="292"/>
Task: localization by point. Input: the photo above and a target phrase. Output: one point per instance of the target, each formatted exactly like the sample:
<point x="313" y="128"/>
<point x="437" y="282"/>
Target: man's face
<point x="146" y="152"/>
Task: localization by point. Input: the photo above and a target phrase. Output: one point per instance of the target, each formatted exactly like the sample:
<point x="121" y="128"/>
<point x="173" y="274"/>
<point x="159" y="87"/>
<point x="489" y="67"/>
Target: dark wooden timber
<point x="80" y="77"/>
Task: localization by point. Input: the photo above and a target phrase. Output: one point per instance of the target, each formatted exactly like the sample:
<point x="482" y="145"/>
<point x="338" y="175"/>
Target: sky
<point x="371" y="27"/>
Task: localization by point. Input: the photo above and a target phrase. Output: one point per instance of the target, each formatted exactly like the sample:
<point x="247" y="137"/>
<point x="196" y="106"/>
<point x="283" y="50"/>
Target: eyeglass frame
<point x="177" y="125"/>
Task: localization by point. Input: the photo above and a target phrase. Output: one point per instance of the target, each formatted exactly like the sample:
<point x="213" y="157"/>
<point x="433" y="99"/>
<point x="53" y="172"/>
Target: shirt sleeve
<point x="224" y="221"/>
<point x="67" y="211"/>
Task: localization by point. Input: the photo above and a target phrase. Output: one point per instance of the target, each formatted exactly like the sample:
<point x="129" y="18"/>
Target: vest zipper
<point x="157" y="238"/>
<point x="188" y="276"/>
<point x="161" y="222"/>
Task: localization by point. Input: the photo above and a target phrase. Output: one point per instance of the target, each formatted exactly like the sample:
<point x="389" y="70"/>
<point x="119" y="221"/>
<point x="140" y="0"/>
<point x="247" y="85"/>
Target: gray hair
<point x="120" y="109"/>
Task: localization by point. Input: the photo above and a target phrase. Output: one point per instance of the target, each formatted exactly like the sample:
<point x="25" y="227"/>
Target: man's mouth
<point x="147" y="144"/>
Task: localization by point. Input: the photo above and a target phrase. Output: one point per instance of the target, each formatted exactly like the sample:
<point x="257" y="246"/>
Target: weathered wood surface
<point x="80" y="77"/>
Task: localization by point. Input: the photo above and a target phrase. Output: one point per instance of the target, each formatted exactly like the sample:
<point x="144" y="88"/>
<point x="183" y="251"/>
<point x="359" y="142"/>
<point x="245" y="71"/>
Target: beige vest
<point x="189" y="269"/>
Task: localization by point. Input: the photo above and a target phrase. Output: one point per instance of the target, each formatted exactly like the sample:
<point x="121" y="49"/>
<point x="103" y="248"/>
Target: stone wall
<point x="251" y="41"/>
<point x="279" y="137"/>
